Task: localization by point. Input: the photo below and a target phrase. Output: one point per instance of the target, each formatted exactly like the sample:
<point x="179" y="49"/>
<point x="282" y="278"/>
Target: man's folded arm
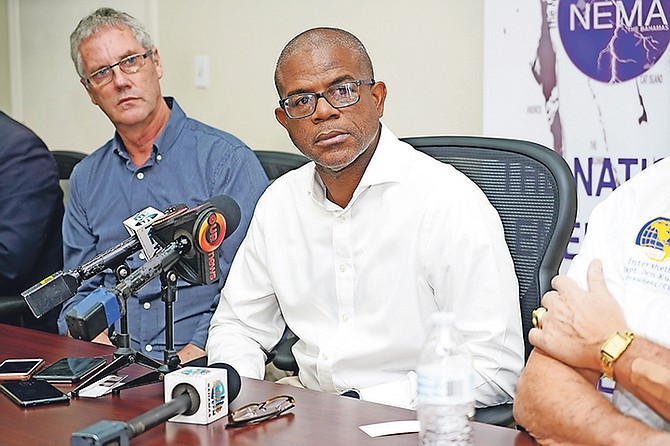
<point x="559" y="405"/>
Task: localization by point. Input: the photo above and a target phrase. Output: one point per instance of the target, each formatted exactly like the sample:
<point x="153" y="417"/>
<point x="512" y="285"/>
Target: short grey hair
<point x="105" y="18"/>
<point x="324" y="37"/>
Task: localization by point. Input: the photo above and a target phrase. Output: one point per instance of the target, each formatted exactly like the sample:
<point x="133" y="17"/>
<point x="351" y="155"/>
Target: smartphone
<point x="19" y="369"/>
<point x="33" y="392"/>
<point x="71" y="369"/>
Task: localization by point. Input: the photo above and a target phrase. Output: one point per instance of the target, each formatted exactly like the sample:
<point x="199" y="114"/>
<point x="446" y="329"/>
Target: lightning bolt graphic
<point x="609" y="51"/>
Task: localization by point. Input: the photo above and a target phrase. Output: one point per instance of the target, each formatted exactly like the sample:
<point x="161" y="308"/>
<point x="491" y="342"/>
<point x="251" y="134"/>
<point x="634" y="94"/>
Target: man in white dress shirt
<point x="356" y="249"/>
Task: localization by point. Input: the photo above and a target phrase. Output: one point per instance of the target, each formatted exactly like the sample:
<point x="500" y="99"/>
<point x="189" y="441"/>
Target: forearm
<point x="559" y="406"/>
<point x="644" y="370"/>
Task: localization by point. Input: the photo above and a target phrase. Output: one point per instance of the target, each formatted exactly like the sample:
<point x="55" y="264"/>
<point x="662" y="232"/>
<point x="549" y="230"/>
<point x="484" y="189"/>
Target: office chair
<point x="66" y="160"/>
<point x="13" y="309"/>
<point x="277" y="163"/>
<point x="533" y="190"/>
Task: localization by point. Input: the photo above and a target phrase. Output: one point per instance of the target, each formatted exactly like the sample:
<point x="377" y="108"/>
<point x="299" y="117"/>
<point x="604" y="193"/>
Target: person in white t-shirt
<point x="609" y="317"/>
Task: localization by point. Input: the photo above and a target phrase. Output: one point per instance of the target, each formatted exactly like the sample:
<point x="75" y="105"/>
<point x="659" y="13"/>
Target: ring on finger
<point x="537" y="315"/>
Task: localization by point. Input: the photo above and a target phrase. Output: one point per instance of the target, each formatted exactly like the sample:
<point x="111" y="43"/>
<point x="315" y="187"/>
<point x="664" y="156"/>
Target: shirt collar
<point x="384" y="167"/>
<point x="165" y="139"/>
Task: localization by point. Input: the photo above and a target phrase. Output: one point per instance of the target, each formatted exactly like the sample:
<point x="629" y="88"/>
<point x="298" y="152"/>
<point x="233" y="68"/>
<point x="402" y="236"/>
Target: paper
<point x="391" y="428"/>
<point x="102" y="387"/>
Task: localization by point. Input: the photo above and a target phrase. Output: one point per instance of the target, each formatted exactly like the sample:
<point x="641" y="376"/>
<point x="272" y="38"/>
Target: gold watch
<point x="612" y="349"/>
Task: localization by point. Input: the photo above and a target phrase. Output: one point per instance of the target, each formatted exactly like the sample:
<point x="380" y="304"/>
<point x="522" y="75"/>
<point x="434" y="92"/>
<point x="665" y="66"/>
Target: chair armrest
<point x="498" y="415"/>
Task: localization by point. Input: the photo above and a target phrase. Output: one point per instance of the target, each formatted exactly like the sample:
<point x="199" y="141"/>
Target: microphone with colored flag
<point x="197" y="395"/>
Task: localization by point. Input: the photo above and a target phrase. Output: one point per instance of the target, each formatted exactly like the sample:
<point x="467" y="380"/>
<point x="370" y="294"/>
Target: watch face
<point x="616" y="344"/>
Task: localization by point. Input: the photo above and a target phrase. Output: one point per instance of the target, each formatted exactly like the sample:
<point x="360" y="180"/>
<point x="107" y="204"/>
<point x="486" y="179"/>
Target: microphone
<point x="104" y="306"/>
<point x="193" y="395"/>
<point x="234" y="379"/>
<point x="206" y="226"/>
<point x="196" y="236"/>
<point x="61" y="286"/>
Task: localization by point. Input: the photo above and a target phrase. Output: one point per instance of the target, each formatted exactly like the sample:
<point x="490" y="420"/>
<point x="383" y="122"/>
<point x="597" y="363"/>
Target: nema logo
<point x="614" y="41"/>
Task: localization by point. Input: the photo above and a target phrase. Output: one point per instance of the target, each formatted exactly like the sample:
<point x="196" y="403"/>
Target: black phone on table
<point x="71" y="369"/>
<point x="33" y="392"/>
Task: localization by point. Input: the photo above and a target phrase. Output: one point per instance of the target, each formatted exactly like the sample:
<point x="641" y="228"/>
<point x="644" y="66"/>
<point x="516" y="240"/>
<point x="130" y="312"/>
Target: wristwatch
<point x="612" y="349"/>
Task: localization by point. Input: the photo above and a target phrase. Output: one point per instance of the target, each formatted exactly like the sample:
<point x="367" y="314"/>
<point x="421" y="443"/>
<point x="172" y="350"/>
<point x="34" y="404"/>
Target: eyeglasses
<point x="338" y="96"/>
<point x="129" y="65"/>
<point x="258" y="412"/>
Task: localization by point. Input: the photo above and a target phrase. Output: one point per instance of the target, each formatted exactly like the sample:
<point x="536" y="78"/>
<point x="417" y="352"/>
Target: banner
<point x="589" y="79"/>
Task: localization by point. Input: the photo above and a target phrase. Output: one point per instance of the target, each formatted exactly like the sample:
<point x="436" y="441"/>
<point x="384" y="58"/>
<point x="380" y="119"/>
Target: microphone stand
<point x="124" y="355"/>
<point x="170" y="357"/>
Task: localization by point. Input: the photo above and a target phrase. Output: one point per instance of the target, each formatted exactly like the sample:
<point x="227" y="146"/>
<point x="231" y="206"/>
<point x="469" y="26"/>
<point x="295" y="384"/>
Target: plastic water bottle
<point x="445" y="378"/>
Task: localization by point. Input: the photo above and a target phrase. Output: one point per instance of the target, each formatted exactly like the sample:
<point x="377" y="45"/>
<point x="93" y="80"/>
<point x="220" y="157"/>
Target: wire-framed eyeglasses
<point x="255" y="413"/>
<point x="302" y="105"/>
<point x="129" y="65"/>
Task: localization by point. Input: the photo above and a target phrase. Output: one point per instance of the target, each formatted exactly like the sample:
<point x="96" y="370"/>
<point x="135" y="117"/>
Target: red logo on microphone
<point x="211" y="232"/>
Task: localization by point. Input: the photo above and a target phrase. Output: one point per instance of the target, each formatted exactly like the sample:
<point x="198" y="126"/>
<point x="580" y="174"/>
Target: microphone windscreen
<point x="230" y="210"/>
<point x="234" y="380"/>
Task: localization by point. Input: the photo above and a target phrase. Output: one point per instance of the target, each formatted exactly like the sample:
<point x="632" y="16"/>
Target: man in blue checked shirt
<point x="158" y="157"/>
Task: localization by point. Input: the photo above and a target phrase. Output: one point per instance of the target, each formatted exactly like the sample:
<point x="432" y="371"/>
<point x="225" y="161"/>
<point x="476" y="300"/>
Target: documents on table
<point x="102" y="386"/>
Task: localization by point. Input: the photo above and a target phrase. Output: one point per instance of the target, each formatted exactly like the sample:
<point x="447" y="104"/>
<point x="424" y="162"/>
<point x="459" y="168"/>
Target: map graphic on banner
<point x="589" y="79"/>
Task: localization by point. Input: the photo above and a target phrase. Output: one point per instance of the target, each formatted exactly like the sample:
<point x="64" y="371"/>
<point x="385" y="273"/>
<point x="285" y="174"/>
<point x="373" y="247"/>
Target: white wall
<point x="429" y="53"/>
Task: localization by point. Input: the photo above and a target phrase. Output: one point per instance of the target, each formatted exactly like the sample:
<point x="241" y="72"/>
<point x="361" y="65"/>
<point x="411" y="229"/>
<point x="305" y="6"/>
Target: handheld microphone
<point x="195" y="393"/>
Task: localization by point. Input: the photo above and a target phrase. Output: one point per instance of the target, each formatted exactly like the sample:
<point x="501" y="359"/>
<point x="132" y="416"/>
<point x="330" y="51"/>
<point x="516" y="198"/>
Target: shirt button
<point x="345" y="317"/>
<point x="148" y="347"/>
<point x="147" y="305"/>
<point x="341" y="218"/>
<point x="140" y="175"/>
<point x="343" y="267"/>
<point x="159" y="157"/>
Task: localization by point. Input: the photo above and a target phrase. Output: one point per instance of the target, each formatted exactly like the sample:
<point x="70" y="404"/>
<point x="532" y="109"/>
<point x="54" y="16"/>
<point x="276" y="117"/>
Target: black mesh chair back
<point x="277" y="163"/>
<point x="533" y="190"/>
<point x="66" y="160"/>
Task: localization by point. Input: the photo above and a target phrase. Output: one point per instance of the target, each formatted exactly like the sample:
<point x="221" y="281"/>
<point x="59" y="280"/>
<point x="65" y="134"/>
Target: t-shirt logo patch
<point x="654" y="238"/>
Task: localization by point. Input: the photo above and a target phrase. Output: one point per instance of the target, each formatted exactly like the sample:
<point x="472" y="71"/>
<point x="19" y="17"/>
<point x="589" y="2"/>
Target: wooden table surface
<point x="317" y="419"/>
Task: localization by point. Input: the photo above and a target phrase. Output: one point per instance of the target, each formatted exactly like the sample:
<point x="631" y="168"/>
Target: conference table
<point x="317" y="419"/>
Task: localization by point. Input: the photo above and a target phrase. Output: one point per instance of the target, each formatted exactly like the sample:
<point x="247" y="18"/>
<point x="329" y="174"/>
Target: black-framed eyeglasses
<point x="302" y="105"/>
<point x="258" y="412"/>
<point x="129" y="65"/>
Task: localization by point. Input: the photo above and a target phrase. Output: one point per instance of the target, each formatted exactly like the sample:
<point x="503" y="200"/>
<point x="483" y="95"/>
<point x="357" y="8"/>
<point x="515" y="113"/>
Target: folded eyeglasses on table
<point x="255" y="413"/>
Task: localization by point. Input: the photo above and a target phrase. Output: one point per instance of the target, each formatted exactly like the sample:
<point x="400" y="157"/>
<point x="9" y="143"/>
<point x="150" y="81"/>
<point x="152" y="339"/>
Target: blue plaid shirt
<point x="190" y="162"/>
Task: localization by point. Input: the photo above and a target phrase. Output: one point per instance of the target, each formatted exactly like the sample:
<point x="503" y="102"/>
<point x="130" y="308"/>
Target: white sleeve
<point x="248" y="319"/>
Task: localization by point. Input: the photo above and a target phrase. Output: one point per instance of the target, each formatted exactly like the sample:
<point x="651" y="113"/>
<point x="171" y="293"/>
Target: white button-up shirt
<point x="357" y="285"/>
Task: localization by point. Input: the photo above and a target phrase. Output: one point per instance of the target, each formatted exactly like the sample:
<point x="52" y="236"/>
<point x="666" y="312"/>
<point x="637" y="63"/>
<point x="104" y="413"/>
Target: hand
<point x="102" y="338"/>
<point x="189" y="353"/>
<point x="578" y="321"/>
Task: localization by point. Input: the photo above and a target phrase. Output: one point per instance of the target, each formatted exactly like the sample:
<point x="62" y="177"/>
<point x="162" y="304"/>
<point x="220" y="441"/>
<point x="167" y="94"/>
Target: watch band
<point x="612" y="349"/>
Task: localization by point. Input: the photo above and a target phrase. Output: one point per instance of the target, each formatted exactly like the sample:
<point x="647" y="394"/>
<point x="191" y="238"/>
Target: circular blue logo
<point x="614" y="40"/>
